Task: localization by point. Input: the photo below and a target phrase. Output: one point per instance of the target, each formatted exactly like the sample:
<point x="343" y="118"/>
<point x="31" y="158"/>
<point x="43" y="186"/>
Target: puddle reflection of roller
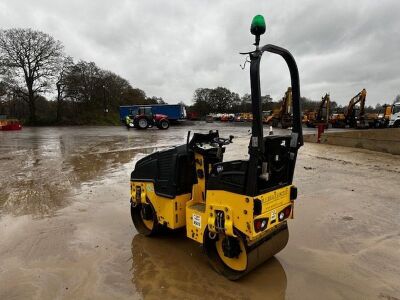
<point x="171" y="266"/>
<point x="238" y="210"/>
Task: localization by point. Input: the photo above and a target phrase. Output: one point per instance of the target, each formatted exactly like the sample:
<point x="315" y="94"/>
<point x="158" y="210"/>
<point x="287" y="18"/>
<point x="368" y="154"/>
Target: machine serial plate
<point x="196" y="220"/>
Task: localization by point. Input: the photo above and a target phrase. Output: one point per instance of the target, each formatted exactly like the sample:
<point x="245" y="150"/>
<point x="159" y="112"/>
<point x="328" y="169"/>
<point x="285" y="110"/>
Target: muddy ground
<point x="66" y="232"/>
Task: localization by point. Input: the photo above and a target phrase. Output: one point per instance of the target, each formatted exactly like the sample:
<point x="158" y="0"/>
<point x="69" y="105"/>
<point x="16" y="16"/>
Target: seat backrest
<point x="172" y="171"/>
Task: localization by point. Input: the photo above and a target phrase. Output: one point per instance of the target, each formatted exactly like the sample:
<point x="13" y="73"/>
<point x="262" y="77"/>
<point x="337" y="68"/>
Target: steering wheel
<point x="222" y="141"/>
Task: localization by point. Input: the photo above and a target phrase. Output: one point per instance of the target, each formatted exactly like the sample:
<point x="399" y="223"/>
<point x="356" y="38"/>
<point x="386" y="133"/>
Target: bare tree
<point x="33" y="58"/>
<point x="84" y="81"/>
<point x="3" y="97"/>
<point x="3" y="88"/>
<point x="61" y="83"/>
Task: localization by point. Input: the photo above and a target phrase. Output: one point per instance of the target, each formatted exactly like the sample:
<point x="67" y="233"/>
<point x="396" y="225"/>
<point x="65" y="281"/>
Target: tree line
<point x="222" y="100"/>
<point x="34" y="64"/>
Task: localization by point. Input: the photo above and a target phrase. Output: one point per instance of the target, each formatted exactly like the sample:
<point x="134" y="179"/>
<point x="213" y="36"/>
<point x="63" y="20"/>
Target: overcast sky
<point x="170" y="48"/>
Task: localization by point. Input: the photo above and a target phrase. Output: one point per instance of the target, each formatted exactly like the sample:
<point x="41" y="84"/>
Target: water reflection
<point x="39" y="169"/>
<point x="172" y="266"/>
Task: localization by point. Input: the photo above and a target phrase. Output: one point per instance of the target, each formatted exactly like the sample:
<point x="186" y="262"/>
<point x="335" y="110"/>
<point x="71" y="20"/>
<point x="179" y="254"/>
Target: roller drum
<point x="255" y="254"/>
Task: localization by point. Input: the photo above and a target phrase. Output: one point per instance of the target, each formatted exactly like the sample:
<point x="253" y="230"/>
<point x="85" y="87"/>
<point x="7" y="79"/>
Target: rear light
<point x="260" y="224"/>
<point x="285" y="213"/>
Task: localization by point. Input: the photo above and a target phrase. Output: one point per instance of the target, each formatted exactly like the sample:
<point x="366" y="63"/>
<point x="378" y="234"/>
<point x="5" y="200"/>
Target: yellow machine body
<point x="199" y="209"/>
<point x="238" y="213"/>
<point x="238" y="210"/>
<point x="170" y="212"/>
<point x="199" y="214"/>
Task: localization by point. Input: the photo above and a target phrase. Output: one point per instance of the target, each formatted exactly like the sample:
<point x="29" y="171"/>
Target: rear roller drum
<point x="231" y="257"/>
<point x="144" y="218"/>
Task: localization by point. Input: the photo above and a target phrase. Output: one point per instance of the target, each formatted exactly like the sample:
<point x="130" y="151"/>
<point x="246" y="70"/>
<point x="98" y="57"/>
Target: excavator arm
<point x="286" y="106"/>
<point x="325" y="103"/>
<point x="359" y="98"/>
<point x="362" y="102"/>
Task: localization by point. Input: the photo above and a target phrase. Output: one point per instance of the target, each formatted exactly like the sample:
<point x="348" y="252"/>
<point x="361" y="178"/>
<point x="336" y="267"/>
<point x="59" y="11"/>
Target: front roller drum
<point x="144" y="218"/>
<point x="233" y="258"/>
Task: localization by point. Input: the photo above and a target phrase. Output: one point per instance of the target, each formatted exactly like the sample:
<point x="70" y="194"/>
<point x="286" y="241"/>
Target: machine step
<point x="200" y="207"/>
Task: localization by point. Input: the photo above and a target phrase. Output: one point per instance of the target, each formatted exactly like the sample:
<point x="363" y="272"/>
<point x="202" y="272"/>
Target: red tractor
<point x="143" y="118"/>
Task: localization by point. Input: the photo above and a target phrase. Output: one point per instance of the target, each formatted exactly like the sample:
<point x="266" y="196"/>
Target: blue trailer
<point x="175" y="112"/>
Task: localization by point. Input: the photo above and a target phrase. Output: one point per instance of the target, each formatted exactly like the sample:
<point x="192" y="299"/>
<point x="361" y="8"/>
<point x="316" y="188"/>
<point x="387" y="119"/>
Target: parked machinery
<point x="321" y="116"/>
<point x="381" y="118"/>
<point x="238" y="210"/>
<point x="284" y="116"/>
<point x="143" y="118"/>
<point x="7" y="124"/>
<point x="354" y="115"/>
<point x="394" y="120"/>
<point x="387" y="116"/>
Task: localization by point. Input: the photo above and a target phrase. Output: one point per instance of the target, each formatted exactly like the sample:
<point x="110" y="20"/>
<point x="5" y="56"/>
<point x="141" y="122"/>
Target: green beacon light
<point x="257" y="27"/>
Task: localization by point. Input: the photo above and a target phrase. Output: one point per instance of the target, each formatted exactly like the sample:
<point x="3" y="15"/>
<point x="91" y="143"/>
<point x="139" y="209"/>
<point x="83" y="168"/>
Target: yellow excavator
<point x="237" y="210"/>
<point x="283" y="117"/>
<point x="313" y="118"/>
<point x="354" y="116"/>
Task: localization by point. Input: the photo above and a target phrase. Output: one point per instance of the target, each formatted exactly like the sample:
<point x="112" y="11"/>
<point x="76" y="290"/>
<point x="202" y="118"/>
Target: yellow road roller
<point x="238" y="210"/>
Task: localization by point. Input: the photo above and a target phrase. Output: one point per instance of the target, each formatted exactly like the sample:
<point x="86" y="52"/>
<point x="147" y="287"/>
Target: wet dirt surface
<point x="66" y="232"/>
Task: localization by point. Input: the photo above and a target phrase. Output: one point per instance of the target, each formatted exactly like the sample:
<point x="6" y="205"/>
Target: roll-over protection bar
<point x="256" y="147"/>
<point x="295" y="81"/>
<point x="257" y="127"/>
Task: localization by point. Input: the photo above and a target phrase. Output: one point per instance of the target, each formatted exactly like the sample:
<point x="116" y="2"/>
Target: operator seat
<point x="232" y="175"/>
